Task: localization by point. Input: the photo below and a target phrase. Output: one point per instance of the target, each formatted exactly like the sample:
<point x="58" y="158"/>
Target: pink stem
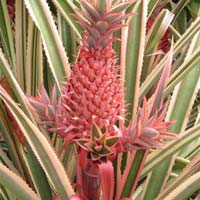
<point x="90" y="186"/>
<point x="88" y="179"/>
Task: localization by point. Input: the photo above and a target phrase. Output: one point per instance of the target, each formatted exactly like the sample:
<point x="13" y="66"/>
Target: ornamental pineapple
<point x="92" y="99"/>
<point x="94" y="96"/>
<point x="93" y="92"/>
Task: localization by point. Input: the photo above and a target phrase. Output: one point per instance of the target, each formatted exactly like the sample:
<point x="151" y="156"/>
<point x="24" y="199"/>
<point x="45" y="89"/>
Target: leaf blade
<point x="40" y="146"/>
<point x="10" y="180"/>
<point x="57" y="58"/>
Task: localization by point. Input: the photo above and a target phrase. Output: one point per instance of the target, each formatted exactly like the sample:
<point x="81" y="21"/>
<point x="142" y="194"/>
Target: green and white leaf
<point x="56" y="55"/>
<point x="42" y="149"/>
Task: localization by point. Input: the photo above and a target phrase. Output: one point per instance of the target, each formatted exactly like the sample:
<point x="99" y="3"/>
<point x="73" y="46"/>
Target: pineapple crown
<point x="99" y="20"/>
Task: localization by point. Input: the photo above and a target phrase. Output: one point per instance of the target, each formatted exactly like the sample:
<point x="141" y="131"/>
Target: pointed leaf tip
<point x="111" y="141"/>
<point x="120" y="7"/>
<point x="91" y="10"/>
<point x="102" y="6"/>
<point x="159" y="93"/>
<point x="96" y="132"/>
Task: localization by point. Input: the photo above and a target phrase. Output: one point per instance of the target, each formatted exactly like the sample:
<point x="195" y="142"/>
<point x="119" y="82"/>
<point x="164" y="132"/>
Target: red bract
<point x="46" y="107"/>
<point x="150" y="129"/>
<point x="149" y="132"/>
<point x="100" y="145"/>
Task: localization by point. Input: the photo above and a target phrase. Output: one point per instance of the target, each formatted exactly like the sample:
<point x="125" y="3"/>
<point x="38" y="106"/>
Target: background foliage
<point x="39" y="41"/>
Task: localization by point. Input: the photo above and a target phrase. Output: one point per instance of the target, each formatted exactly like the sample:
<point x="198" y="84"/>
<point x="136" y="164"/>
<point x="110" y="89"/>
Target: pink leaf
<point x="159" y="93"/>
<point x="107" y="180"/>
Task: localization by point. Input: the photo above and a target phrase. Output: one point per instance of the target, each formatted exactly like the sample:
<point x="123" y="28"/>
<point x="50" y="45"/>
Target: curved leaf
<point x="20" y="44"/>
<point x="66" y="8"/>
<point x="134" y="57"/>
<point x="16" y="184"/>
<point x="42" y="149"/>
<point x="42" y="17"/>
<point x="186" y="189"/>
<point x="190" y="169"/>
<point x="6" y="33"/>
<point x="14" y="84"/>
<point x="24" y="104"/>
<point x="183" y="41"/>
<point x="158" y="156"/>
